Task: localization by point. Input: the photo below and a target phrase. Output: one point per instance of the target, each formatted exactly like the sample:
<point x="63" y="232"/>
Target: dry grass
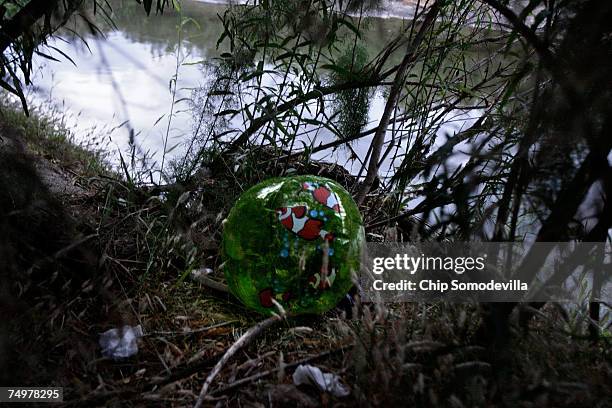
<point x="135" y="269"/>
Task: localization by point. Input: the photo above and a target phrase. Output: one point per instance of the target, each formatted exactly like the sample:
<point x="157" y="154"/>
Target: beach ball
<point x="292" y="240"/>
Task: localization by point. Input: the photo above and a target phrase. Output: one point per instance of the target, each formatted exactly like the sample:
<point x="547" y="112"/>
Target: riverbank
<point x="42" y="237"/>
<point x="85" y="250"/>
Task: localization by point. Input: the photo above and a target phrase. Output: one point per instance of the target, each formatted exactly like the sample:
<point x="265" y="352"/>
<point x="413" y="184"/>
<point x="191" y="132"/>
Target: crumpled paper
<point x="327" y="382"/>
<point x="120" y="342"/>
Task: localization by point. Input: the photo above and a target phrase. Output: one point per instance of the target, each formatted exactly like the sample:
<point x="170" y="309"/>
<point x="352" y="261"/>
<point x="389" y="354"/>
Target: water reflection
<point x="121" y="82"/>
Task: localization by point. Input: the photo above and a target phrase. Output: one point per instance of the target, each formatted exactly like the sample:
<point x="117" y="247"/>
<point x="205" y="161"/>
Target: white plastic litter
<point x="120" y="342"/>
<point x="328" y="382"/>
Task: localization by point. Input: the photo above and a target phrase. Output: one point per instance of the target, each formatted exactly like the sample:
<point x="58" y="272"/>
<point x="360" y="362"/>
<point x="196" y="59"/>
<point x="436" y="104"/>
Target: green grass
<point x="46" y="134"/>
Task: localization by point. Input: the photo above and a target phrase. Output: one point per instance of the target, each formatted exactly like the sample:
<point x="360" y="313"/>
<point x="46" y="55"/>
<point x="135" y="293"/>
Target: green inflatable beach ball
<point x="293" y="240"/>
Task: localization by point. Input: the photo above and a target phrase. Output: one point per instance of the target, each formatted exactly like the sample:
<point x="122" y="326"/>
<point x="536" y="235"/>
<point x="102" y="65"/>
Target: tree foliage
<point x="529" y="81"/>
<point x="532" y="153"/>
<point x="25" y="27"/>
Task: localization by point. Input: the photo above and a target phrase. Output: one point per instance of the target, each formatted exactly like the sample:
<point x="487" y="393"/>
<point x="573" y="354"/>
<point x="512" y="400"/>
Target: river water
<point x="118" y="89"/>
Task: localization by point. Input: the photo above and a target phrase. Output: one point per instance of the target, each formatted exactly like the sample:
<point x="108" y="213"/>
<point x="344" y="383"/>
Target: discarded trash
<point x="328" y="382"/>
<point x="120" y="342"/>
<point x="200" y="274"/>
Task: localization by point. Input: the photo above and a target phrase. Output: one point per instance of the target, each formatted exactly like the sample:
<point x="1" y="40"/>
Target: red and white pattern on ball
<point x="323" y="195"/>
<point x="296" y="220"/>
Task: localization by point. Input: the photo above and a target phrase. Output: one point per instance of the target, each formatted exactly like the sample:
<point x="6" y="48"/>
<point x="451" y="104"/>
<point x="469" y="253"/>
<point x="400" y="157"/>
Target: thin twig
<point x="245" y="339"/>
<point x="263" y="374"/>
<point x="379" y="136"/>
<point x="188" y="332"/>
<point x="213" y="284"/>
